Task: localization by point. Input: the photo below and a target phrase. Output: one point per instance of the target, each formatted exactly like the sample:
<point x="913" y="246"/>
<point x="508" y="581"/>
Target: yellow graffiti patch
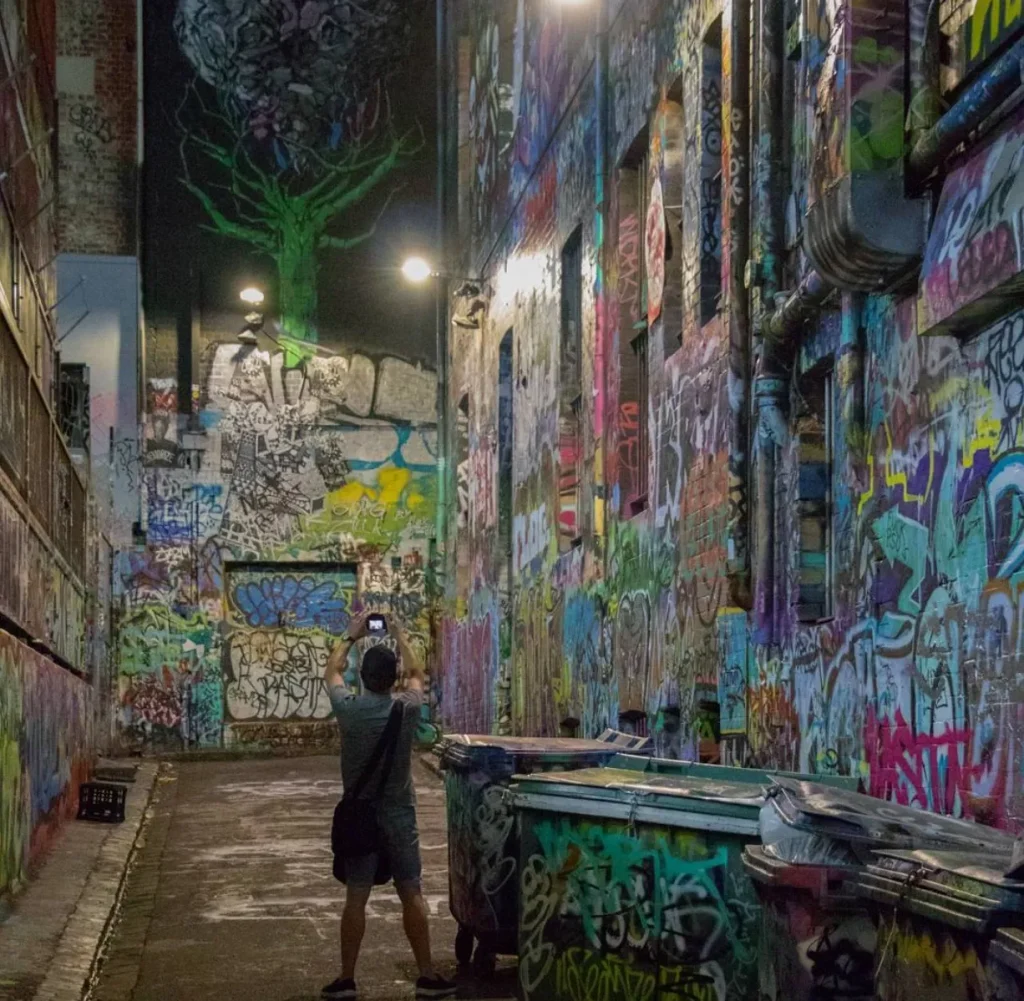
<point x="986" y="437"/>
<point x="944" y="960"/>
<point x="899" y="479"/>
<point x="350" y="494"/>
<point x="392" y="483"/>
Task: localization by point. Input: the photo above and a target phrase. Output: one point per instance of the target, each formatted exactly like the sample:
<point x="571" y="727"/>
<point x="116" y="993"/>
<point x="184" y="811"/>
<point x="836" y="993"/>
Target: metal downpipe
<point x="441" y="287"/>
<point x="769" y="383"/>
<point x="739" y="305"/>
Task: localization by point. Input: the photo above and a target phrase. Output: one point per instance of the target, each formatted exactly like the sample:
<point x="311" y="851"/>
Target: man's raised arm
<point x="334" y="672"/>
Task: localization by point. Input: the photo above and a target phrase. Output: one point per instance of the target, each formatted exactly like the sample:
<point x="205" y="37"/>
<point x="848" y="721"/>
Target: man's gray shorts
<point x="402" y="843"/>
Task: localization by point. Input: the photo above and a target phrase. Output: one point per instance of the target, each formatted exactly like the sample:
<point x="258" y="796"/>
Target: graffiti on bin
<point x="816" y="954"/>
<point x="581" y="975"/>
<point x="930" y="962"/>
<point x="482" y="855"/>
<point x="663" y="913"/>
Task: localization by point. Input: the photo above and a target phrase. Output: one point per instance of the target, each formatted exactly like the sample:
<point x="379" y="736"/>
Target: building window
<point x="814" y="431"/>
<point x="673" y="132"/>
<point x="711" y="173"/>
<point x="632" y="432"/>
<point x="570" y="444"/>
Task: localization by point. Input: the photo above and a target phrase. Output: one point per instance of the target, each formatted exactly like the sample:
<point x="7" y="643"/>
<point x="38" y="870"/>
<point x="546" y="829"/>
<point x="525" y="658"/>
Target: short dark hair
<point x="380" y="669"/>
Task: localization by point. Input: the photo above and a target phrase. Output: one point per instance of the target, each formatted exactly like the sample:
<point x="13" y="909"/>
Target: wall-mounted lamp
<point x="470" y="320"/>
<point x="252" y="296"/>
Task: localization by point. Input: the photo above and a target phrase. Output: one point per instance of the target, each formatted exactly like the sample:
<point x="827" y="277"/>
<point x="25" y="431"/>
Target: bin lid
<point x="961" y="888"/>
<point x="696" y="769"/>
<point x="1008" y="948"/>
<point x="518" y="753"/>
<point x="830" y="884"/>
<point x="694" y="802"/>
<point x="863" y="820"/>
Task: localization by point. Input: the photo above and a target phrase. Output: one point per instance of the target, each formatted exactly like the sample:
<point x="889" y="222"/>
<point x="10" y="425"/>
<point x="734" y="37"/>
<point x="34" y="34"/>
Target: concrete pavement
<point x="50" y="936"/>
<point x="232" y="897"/>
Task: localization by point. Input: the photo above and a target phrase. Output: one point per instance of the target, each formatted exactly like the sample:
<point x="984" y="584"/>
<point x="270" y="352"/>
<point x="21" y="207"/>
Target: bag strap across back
<point x="386" y="747"/>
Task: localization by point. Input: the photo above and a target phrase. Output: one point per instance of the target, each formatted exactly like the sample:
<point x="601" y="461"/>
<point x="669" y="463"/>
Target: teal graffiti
<point x="905" y="543"/>
<point x="650" y="894"/>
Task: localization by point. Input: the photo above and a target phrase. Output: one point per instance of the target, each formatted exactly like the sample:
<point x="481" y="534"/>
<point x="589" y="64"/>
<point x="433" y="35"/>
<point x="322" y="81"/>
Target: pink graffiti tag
<point x="931" y="771"/>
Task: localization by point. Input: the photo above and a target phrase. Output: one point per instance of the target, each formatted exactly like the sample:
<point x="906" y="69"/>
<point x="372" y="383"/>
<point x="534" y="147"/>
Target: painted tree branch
<point x="225" y="226"/>
<point x="335" y="202"/>
<point x="348" y="242"/>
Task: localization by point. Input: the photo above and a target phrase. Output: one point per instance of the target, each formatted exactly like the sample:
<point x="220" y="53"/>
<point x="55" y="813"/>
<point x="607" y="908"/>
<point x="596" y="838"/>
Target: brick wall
<point x="98" y="93"/>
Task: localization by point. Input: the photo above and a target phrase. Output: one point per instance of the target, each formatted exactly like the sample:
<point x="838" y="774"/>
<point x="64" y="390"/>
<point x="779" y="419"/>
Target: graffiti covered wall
<point x="46" y="740"/>
<point x="287" y="453"/>
<point x="619" y="590"/>
<point x="232" y="607"/>
<point x="600" y="609"/>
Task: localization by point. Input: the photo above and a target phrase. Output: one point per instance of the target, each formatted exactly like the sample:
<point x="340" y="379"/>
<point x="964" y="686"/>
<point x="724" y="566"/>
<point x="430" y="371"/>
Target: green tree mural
<point x="287" y="128"/>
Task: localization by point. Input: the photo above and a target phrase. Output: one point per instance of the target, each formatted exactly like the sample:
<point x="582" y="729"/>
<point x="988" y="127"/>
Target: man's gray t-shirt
<point x="361" y="719"/>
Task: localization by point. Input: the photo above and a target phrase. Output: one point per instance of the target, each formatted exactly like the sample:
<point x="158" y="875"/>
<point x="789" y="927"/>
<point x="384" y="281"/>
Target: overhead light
<point x="417" y="270"/>
<point x="252" y="296"/>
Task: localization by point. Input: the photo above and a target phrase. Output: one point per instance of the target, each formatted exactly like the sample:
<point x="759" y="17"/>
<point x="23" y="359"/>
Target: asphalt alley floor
<point x="232" y="898"/>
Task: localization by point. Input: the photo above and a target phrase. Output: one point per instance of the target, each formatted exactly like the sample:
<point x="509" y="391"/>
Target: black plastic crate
<point x="102" y="801"/>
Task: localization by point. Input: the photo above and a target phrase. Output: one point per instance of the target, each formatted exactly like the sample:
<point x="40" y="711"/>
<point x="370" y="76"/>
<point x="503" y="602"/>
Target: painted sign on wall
<point x="284" y="622"/>
<point x="972" y="264"/>
<point x="992" y="23"/>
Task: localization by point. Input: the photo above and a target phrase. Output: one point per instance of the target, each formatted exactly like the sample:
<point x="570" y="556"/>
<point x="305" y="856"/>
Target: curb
<point x="77" y="951"/>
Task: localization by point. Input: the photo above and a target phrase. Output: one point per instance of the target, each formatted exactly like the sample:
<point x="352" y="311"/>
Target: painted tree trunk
<point x="297" y="270"/>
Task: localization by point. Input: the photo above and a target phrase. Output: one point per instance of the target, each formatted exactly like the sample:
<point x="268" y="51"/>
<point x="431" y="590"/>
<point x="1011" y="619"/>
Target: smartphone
<point x="376" y="624"/>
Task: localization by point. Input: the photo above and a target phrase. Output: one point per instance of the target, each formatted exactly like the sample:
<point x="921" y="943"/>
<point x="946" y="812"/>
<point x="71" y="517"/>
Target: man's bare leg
<point x="417" y="928"/>
<point x="353" y="925"/>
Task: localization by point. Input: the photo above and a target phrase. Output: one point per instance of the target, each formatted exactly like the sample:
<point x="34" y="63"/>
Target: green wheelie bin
<point x="482" y="843"/>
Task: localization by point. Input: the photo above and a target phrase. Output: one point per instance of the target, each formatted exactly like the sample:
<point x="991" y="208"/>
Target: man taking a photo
<point x="362" y="720"/>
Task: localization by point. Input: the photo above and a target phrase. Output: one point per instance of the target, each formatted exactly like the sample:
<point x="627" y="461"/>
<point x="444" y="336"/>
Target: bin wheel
<point x="464" y="942"/>
<point x="484" y="961"/>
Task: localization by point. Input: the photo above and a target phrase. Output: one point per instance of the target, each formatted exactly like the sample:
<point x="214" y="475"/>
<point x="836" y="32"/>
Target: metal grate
<point x="74" y="406"/>
<point x="70" y="510"/>
<point x="40" y="449"/>
<point x="13" y="405"/>
<point x="79" y="509"/>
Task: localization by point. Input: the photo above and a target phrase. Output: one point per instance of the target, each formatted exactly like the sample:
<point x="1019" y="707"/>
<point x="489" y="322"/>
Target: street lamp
<point x="252" y="296"/>
<point x="417" y="270"/>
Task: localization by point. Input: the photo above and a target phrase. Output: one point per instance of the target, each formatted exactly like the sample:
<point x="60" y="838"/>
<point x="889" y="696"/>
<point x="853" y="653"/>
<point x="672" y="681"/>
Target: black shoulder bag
<point x="355" y="832"/>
